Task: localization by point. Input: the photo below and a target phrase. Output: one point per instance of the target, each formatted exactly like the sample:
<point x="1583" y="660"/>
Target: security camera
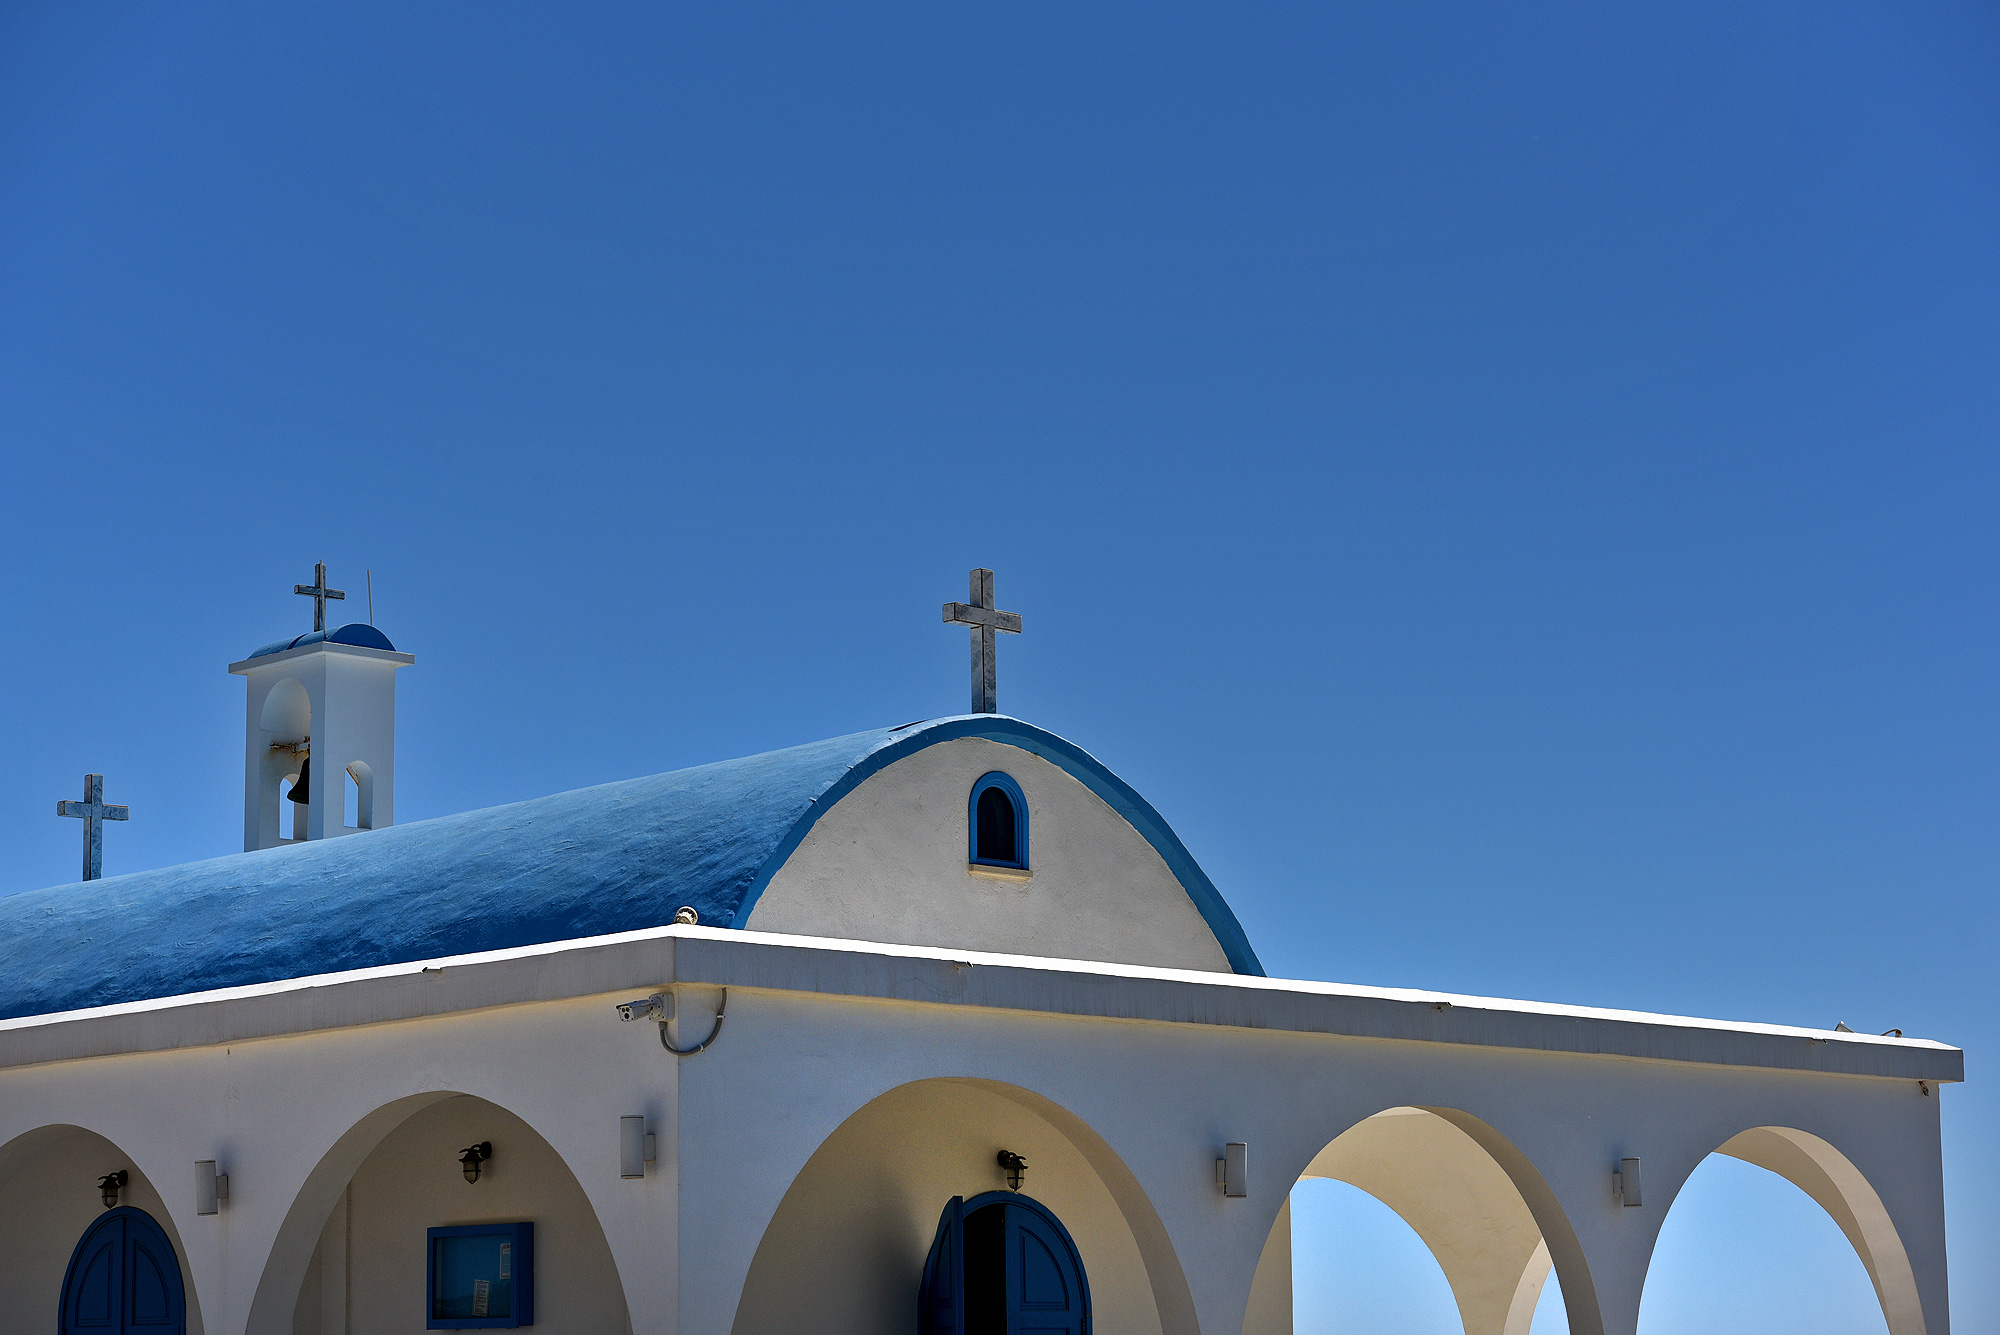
<point x="656" y="1007"/>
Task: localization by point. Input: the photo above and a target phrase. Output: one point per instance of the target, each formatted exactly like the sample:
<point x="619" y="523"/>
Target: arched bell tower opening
<point x="320" y="715"/>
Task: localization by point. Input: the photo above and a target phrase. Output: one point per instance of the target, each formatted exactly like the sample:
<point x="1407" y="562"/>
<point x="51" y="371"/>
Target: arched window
<point x="999" y="821"/>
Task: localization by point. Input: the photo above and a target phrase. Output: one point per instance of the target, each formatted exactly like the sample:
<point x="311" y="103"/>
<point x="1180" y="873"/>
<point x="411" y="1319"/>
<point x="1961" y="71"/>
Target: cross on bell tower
<point x="320" y="594"/>
<point x="984" y="620"/>
<point x="93" y="811"/>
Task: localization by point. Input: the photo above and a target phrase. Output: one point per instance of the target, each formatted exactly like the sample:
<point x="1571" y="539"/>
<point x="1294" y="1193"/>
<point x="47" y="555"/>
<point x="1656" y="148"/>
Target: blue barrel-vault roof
<point x="618" y="857"/>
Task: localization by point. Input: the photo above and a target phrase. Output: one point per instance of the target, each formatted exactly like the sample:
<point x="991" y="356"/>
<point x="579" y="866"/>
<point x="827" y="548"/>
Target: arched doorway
<point x="50" y="1197"/>
<point x="123" y="1279"/>
<point x="844" y="1251"/>
<point x="1003" y="1264"/>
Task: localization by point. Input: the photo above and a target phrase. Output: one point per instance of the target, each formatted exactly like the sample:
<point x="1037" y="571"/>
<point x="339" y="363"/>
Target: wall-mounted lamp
<point x="685" y="916"/>
<point x="210" y="1187"/>
<point x="110" y="1185"/>
<point x="1014" y="1166"/>
<point x="635" y="1147"/>
<point x="1232" y="1170"/>
<point x="472" y="1156"/>
<point x="1625" y="1181"/>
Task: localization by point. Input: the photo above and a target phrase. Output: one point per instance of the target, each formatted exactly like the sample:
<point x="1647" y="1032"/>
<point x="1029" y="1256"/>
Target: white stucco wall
<point x="845" y="1252"/>
<point x="368" y="1271"/>
<point x="888" y="863"/>
<point x="1144" y="1075"/>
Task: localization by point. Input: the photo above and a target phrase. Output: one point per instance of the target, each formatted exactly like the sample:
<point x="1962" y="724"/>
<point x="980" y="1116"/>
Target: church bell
<point x="302" y="790"/>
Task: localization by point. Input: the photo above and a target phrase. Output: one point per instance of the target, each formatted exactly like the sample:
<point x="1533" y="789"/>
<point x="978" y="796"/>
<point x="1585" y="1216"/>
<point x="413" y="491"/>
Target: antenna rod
<point x="371" y="597"/>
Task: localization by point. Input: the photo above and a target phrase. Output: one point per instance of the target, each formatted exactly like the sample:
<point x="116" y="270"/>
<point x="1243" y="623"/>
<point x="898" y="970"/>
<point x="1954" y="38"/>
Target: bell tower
<point x="321" y="713"/>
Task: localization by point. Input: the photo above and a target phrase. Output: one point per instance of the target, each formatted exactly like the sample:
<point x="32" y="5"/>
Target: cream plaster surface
<point x="1270" y="1310"/>
<point x="889" y="863"/>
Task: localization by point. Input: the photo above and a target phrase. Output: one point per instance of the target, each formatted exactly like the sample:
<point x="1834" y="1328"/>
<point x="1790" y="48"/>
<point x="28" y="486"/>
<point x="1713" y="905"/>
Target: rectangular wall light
<point x="635" y="1147"/>
<point x="210" y="1187"/>
<point x="1625" y="1181"/>
<point x="1232" y="1170"/>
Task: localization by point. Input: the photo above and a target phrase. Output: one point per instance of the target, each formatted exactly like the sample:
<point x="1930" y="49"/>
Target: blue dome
<point x="358" y="633"/>
<point x="616" y="858"/>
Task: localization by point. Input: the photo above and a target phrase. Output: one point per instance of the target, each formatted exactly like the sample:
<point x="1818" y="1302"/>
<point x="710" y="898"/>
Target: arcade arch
<point x="1474" y="1201"/>
<point x="1832" y="1181"/>
<point x="351" y="1252"/>
<point x="49" y="1199"/>
<point x="844" y="1252"/>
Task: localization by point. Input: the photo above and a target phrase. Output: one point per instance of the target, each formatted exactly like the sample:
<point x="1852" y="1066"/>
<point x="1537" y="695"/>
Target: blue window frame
<point x="481" y="1277"/>
<point x="998" y="819"/>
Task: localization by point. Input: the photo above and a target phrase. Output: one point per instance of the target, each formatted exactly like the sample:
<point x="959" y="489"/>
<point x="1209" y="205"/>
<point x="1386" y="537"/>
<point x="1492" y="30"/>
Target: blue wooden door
<point x="1046" y="1293"/>
<point x="1003" y="1264"/>
<point x="123" y="1279"/>
<point x="941" y="1298"/>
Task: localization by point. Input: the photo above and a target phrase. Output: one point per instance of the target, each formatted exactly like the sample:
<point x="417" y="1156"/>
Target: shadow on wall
<point x="48" y="1199"/>
<point x="844" y="1253"/>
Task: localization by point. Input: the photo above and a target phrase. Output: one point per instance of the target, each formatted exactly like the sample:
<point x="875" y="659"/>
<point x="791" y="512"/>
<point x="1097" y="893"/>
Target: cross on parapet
<point x="93" y="812"/>
<point x="984" y="620"/>
<point x="320" y="594"/>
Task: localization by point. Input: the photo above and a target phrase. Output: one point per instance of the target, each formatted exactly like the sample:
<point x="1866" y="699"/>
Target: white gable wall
<point x="889" y="863"/>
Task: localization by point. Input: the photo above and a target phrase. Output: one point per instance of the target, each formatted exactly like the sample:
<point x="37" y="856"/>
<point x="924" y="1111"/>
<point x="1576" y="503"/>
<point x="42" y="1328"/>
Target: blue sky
<point x="1515" y="488"/>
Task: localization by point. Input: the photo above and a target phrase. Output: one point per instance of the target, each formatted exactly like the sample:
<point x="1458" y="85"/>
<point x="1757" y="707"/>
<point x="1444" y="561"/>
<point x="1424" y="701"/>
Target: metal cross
<point x="984" y="620"/>
<point x="93" y="812"/>
<point x="320" y="594"/>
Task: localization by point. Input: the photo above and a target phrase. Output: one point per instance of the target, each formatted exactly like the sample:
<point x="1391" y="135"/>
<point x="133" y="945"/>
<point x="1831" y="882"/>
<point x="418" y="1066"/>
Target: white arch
<point x="1822" y="1172"/>
<point x="284" y="1271"/>
<point x="1476" y="1202"/>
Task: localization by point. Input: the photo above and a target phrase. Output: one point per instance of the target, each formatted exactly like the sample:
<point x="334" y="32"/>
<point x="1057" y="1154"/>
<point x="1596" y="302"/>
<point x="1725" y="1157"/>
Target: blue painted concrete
<point x="618" y="857"/>
<point x="354" y="632"/>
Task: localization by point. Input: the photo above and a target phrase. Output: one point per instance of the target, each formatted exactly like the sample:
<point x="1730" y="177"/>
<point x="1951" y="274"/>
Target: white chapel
<point x="934" y="1029"/>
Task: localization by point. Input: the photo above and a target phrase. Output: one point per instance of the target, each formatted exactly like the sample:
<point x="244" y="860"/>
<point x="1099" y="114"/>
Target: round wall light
<point x="472" y="1156"/>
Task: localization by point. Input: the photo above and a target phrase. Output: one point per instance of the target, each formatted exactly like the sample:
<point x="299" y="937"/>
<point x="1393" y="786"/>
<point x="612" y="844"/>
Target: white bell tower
<point x="327" y="696"/>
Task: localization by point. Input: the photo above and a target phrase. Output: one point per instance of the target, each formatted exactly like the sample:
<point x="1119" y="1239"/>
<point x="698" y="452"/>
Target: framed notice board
<point x="480" y="1277"/>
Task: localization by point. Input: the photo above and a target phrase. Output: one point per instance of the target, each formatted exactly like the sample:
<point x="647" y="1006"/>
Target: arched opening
<point x="286" y="721"/>
<point x="358" y="811"/>
<point x="846" y="1249"/>
<point x="358" y="1248"/>
<point x="50" y="1202"/>
<point x="999" y="821"/>
<point x="1777" y="1229"/>
<point x="1366" y="1270"/>
<point x="1457" y="1186"/>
